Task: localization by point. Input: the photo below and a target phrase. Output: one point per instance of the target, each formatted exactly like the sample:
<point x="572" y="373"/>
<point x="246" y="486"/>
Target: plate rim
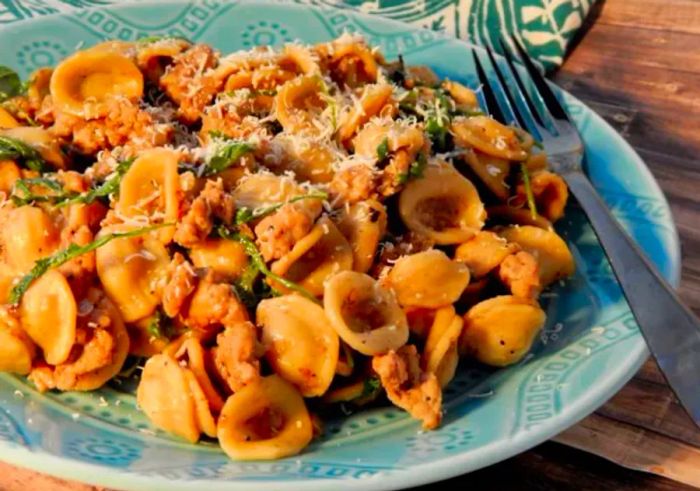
<point x="445" y="468"/>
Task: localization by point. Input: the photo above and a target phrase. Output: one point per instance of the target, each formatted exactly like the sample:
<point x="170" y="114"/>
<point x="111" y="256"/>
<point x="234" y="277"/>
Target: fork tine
<point x="548" y="96"/>
<point x="521" y="85"/>
<point x="490" y="98"/>
<point x="504" y="87"/>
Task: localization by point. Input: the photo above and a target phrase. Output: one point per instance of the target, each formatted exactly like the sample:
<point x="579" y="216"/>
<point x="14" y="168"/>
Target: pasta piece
<point x="484" y="252"/>
<point x="191" y="350"/>
<point x="264" y="420"/>
<point x="41" y="140"/>
<point x="48" y="315"/>
<point x="301" y="57"/>
<point x="463" y="96"/>
<point x="365" y="315"/>
<point x="154" y="58"/>
<point x="507" y="214"/>
<point x="16" y="348"/>
<point x="488" y="136"/>
<point x="124" y="48"/>
<point x="300" y="345"/>
<point x="550" y="192"/>
<point x="9" y="174"/>
<point x="84" y="80"/>
<point x="492" y="171"/>
<point x="315" y="258"/>
<point x="131" y="270"/>
<point x="27" y="234"/>
<point x="414" y="279"/>
<point x="312" y="163"/>
<point x="443" y="205"/>
<point x="79" y="374"/>
<point x="7" y="120"/>
<point x="297" y="103"/>
<point x="553" y="255"/>
<point x="263" y="190"/>
<point x="351" y="63"/>
<point x="151" y="188"/>
<point x="363" y="225"/>
<point x="165" y="395"/>
<point x="225" y="258"/>
<point x="500" y="331"/>
<point x="374" y="98"/>
<point x="440" y="352"/>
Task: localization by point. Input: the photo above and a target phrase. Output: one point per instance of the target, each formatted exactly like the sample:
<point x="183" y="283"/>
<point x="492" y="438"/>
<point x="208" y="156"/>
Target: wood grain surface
<point x="638" y="65"/>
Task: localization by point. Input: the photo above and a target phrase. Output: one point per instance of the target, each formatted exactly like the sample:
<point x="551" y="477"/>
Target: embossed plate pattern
<point x="589" y="349"/>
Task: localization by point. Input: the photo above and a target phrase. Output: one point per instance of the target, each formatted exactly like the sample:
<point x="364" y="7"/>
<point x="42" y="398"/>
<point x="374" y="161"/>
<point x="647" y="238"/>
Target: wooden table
<point x="639" y="66"/>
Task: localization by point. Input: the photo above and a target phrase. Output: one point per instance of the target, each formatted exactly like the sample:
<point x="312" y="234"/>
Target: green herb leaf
<point x="226" y="155"/>
<point x="14" y="149"/>
<point x="258" y="261"/>
<point x="528" y="190"/>
<point x="41" y="266"/>
<point x="154" y="325"/>
<point x="383" y="149"/>
<point x="415" y="170"/>
<point x="372" y="385"/>
<point x="28" y="196"/>
<point x="245" y="214"/>
<point x="110" y="186"/>
<point x="10" y="83"/>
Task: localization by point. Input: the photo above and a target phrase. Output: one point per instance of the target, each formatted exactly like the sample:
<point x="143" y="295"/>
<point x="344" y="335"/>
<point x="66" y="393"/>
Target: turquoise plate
<point x="591" y="345"/>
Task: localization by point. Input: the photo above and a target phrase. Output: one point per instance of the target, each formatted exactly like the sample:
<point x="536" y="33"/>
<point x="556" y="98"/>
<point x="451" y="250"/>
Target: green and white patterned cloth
<point x="545" y="27"/>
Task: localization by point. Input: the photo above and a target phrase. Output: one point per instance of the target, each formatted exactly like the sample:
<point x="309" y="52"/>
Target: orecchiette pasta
<point x="239" y="232"/>
<point x="365" y="315"/>
<point x="443" y="205"/>
<point x="414" y="277"/>
<point x="300" y="344"/>
<point x="264" y="420"/>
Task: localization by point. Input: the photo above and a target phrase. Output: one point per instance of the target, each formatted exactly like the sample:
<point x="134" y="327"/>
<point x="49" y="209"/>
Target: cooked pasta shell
<point x="312" y="260"/>
<point x="125" y="48"/>
<point x="97" y="378"/>
<point x="463" y="96"/>
<point x="440" y="351"/>
<point x="264" y="420"/>
<point x="365" y="315"/>
<point x="151" y="188"/>
<point x="164" y="394"/>
<point x="16" y="348"/>
<point x="488" y="136"/>
<point x="202" y="412"/>
<point x="511" y="215"/>
<point x="371" y="103"/>
<point x="553" y="255"/>
<point x="261" y="190"/>
<point x="550" y="192"/>
<point x="7" y="120"/>
<point x="428" y="279"/>
<point x="226" y="258"/>
<point x="443" y="206"/>
<point x="41" y="140"/>
<point x="82" y="81"/>
<point x="27" y="234"/>
<point x="363" y="225"/>
<point x="301" y="57"/>
<point x="131" y="270"/>
<point x="300" y="345"/>
<point x="492" y="171"/>
<point x="297" y="102"/>
<point x="153" y="58"/>
<point x="191" y="350"/>
<point x="48" y="315"/>
<point x="353" y="64"/>
<point x="500" y="331"/>
<point x="484" y="252"/>
<point x="9" y="173"/>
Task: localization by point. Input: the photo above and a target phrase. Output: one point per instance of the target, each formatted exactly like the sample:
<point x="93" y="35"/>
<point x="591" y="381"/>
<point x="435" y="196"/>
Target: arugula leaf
<point x="10" y="83"/>
<point x="226" y="155"/>
<point x="415" y="170"/>
<point x="154" y="325"/>
<point x="41" y="266"/>
<point x="383" y="149"/>
<point x="14" y="149"/>
<point x="259" y="262"/>
<point x="245" y="214"/>
<point x="528" y="190"/>
<point x="110" y="186"/>
<point x="372" y="385"/>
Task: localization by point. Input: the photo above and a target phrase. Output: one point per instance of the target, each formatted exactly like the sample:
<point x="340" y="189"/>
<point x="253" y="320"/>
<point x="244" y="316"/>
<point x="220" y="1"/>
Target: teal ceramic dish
<point x="591" y="345"/>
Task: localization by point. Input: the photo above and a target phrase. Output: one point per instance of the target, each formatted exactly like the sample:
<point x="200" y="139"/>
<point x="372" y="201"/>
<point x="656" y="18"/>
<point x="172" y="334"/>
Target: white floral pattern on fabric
<point x="545" y="27"/>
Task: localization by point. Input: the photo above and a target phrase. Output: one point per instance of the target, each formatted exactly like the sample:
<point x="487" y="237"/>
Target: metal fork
<point x="671" y="330"/>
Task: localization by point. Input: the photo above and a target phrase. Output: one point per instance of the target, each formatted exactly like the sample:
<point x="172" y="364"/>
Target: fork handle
<point x="671" y="330"/>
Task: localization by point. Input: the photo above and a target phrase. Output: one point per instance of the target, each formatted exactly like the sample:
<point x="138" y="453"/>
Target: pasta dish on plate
<point x="266" y="235"/>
